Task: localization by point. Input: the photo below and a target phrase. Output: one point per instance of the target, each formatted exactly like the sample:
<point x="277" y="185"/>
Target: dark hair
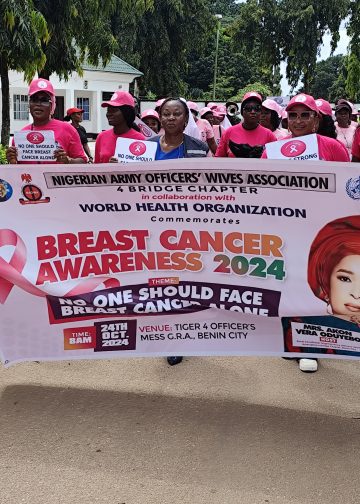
<point x="129" y="114"/>
<point x="275" y="120"/>
<point x="327" y="126"/>
<point x="207" y="113"/>
<point x="185" y="107"/>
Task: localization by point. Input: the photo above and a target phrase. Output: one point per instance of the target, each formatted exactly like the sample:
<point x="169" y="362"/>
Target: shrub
<point x="3" y="155"/>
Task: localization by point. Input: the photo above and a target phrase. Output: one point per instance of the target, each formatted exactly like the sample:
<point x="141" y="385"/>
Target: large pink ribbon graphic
<point x="11" y="272"/>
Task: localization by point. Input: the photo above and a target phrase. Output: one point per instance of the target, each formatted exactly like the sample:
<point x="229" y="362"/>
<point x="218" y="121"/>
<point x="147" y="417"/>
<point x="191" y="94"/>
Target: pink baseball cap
<point x="324" y="107"/>
<point x="192" y="106"/>
<point x="38" y="85"/>
<point x="252" y="95"/>
<point x="159" y="102"/>
<point x="205" y="110"/>
<point x="120" y="98"/>
<point x="219" y="111"/>
<point x="212" y="105"/>
<point x="272" y="105"/>
<point x="150" y="113"/>
<point x="303" y="99"/>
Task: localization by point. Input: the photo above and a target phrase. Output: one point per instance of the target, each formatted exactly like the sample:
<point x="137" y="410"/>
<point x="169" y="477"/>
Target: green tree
<point x="22" y="30"/>
<point x="353" y="66"/>
<point x="160" y="41"/>
<point x="263" y="89"/>
<point x="303" y="26"/>
<point x="329" y="78"/>
<point x="77" y="28"/>
<point x="256" y="33"/>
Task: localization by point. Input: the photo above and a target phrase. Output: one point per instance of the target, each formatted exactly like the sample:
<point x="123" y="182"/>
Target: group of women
<point x="183" y="131"/>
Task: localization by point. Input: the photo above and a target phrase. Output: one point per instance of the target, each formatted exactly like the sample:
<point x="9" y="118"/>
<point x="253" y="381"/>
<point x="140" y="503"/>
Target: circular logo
<point x="300" y="99"/>
<point x="319" y="103"/>
<point x="35" y="137"/>
<point x="145" y="130"/>
<point x="353" y="188"/>
<point x="293" y="148"/>
<point x="42" y="84"/>
<point x="32" y="192"/>
<point x="137" y="148"/>
<point x="5" y="191"/>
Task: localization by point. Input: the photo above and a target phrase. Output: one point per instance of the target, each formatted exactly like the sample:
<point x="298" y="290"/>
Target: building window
<point x="21" y="107"/>
<point x="84" y="103"/>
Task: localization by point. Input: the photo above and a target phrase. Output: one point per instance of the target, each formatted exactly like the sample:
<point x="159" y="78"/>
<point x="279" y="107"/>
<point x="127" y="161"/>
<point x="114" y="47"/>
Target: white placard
<point x="129" y="150"/>
<point x="35" y="145"/>
<point x="304" y="148"/>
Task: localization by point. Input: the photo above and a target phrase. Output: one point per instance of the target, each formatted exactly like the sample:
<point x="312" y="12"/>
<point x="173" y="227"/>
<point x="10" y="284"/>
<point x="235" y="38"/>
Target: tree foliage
<point x="255" y="86"/>
<point x="353" y="67"/>
<point x="22" y="31"/>
<point x="304" y="24"/>
<point x="329" y="78"/>
<point x="160" y="41"/>
<point x="76" y="28"/>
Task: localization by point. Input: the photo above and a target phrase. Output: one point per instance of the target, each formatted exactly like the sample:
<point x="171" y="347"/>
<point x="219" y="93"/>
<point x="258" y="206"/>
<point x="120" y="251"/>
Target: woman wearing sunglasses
<point x="303" y="117"/>
<point x="42" y="106"/>
<point x="246" y="140"/>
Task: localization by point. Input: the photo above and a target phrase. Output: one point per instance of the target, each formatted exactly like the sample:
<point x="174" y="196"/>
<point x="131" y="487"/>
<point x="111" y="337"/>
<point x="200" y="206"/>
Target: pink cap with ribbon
<point x="120" y="98"/>
<point x="303" y="99"/>
<point x="38" y="85"/>
<point x="324" y="107"/>
<point x="252" y="95"/>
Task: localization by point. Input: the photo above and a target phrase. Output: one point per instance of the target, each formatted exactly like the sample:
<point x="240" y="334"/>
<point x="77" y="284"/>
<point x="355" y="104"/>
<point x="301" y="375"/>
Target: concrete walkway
<point x="208" y="431"/>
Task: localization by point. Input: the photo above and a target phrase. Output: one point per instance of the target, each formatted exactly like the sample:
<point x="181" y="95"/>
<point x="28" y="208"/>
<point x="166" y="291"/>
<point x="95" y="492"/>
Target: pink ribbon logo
<point x="11" y="272"/>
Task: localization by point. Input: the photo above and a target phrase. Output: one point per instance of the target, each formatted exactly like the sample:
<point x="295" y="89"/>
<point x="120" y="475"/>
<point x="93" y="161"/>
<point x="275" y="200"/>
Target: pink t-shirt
<point x="106" y="143"/>
<point x="205" y="129"/>
<point x="356" y="144"/>
<point x="65" y="135"/>
<point x="238" y="134"/>
<point x="346" y="135"/>
<point x="329" y="149"/>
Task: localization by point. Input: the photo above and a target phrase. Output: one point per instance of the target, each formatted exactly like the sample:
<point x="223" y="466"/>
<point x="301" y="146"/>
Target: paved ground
<point x="208" y="431"/>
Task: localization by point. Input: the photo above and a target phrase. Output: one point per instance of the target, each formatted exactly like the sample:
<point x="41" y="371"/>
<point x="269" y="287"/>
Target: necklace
<point x="341" y="130"/>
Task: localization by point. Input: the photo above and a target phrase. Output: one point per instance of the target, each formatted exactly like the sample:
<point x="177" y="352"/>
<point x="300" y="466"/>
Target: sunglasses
<point x="304" y="116"/>
<point x="255" y="108"/>
<point x="41" y="101"/>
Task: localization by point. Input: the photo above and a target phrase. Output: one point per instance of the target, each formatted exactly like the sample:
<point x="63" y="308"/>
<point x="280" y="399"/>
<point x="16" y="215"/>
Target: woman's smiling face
<point x="345" y="286"/>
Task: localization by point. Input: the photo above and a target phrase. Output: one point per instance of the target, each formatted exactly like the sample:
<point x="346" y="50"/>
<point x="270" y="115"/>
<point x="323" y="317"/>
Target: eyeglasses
<point x="41" y="101"/>
<point x="255" y="108"/>
<point x="304" y="116"/>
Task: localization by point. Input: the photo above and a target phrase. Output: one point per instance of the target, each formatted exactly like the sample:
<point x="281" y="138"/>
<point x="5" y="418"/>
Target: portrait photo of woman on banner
<point x="334" y="277"/>
<point x="334" y="267"/>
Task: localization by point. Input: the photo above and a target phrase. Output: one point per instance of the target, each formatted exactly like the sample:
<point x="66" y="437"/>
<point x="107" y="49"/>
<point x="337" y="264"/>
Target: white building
<point x="96" y="85"/>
